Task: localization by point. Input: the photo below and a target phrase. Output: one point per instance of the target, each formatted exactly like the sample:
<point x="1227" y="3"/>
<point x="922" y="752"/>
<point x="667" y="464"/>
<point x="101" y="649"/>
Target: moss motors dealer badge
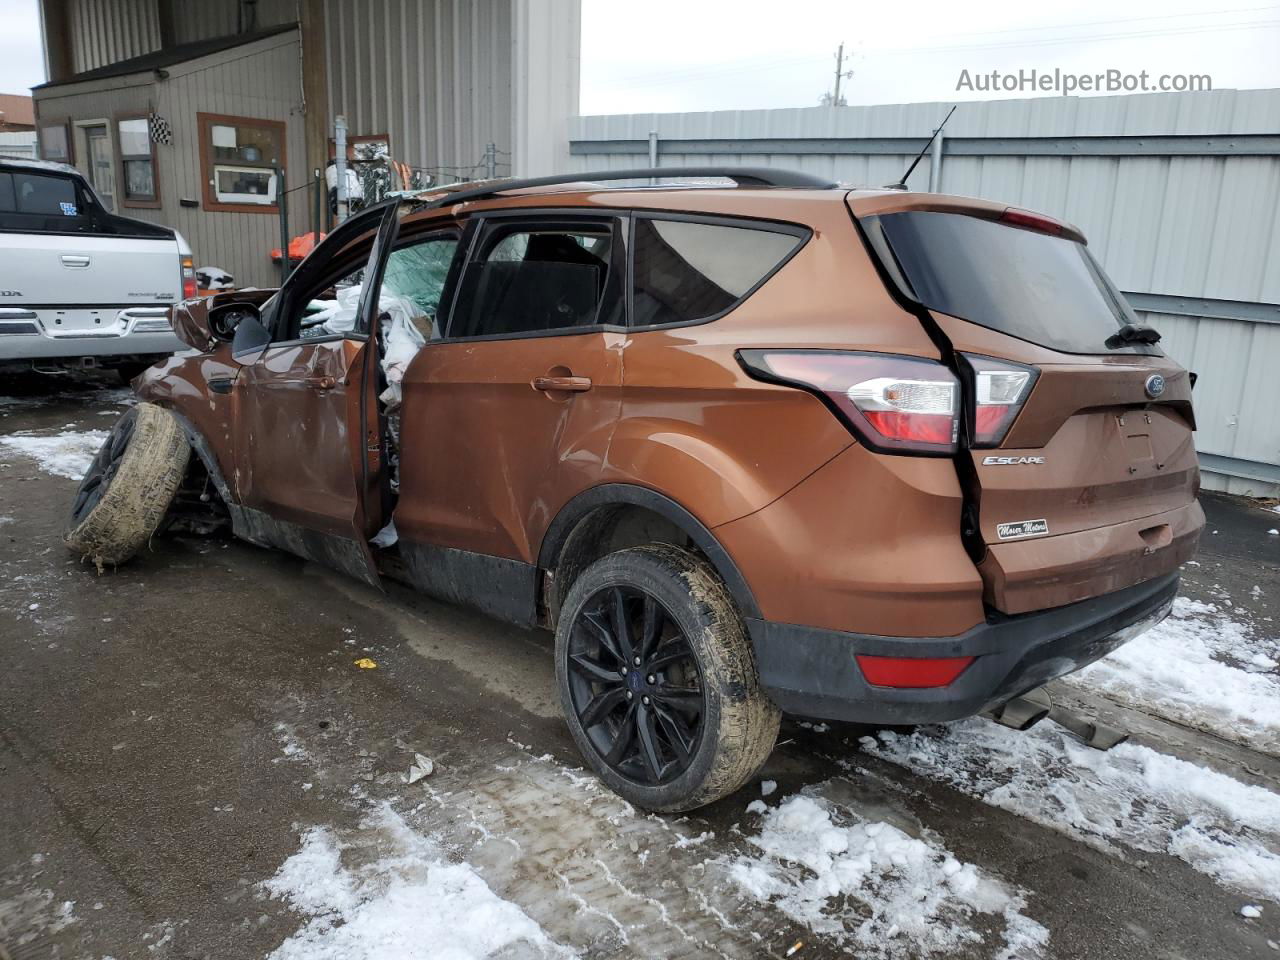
<point x="1022" y="528"/>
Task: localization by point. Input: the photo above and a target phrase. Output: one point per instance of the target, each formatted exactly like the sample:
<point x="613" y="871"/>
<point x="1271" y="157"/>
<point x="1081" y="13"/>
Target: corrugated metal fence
<point x="1179" y="195"/>
<point x="20" y="144"/>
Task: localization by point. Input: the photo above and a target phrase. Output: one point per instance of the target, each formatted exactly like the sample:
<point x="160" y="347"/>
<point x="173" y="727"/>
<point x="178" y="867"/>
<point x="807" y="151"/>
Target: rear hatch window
<point x="1041" y="288"/>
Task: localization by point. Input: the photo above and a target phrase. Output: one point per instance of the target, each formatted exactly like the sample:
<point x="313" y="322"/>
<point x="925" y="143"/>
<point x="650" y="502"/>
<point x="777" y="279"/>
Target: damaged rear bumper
<point x="814" y="672"/>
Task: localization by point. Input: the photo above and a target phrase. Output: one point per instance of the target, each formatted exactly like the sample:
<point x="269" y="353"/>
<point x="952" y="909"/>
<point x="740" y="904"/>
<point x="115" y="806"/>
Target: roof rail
<point x="742" y="176"/>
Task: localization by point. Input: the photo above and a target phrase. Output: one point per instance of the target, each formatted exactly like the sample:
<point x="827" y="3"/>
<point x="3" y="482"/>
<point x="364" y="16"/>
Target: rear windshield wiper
<point x="1133" y="333"/>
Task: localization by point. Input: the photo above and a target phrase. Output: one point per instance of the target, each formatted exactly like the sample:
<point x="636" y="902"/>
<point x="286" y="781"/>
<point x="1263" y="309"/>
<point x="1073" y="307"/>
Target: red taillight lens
<point x="189" y="288"/>
<point x="1000" y="389"/>
<point x="911" y="671"/>
<point x="893" y="404"/>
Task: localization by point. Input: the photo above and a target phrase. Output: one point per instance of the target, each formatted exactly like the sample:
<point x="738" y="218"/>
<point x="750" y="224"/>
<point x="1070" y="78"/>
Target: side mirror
<point x="251" y="338"/>
<point x="205" y="322"/>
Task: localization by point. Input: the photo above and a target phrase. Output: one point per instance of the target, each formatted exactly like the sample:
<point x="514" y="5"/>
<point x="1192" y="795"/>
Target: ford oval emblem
<point x="1155" y="386"/>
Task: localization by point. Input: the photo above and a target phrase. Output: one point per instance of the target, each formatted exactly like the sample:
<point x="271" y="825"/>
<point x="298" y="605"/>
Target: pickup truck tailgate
<point x="41" y="271"/>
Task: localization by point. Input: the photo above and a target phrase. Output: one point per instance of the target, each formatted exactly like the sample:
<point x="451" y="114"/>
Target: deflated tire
<point x="129" y="486"/>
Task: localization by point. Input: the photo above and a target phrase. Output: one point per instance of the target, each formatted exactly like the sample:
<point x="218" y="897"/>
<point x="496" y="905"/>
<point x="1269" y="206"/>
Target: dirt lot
<point x="193" y="765"/>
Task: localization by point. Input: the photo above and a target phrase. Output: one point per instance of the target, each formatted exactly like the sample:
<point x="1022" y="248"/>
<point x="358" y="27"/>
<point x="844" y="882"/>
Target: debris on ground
<point x="420" y="768"/>
<point x="364" y="663"/>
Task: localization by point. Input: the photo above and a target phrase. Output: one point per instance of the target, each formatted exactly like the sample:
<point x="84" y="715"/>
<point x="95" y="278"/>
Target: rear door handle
<point x="220" y="384"/>
<point x="68" y="260"/>
<point x="565" y="384"/>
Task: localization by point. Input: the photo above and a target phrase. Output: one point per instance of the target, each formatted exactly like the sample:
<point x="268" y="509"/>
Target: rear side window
<point x="36" y="193"/>
<point x="1034" y="286"/>
<point x="686" y="271"/>
<point x="527" y="278"/>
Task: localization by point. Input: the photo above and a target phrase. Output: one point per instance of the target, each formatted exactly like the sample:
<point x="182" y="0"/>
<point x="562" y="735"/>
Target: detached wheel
<point x="658" y="680"/>
<point x="128" y="487"/>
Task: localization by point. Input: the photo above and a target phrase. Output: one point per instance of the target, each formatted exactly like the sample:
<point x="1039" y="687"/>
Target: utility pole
<point x="340" y="164"/>
<point x="841" y="74"/>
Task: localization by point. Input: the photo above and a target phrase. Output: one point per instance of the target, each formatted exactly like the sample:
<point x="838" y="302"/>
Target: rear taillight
<point x="893" y="404"/>
<point x="189" y="288"/>
<point x="1000" y="388"/>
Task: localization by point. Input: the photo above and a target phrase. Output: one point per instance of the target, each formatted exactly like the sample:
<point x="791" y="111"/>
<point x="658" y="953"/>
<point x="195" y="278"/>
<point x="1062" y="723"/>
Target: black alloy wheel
<point x="635" y="685"/>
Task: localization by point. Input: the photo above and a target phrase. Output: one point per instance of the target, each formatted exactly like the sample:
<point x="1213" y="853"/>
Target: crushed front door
<point x="307" y="435"/>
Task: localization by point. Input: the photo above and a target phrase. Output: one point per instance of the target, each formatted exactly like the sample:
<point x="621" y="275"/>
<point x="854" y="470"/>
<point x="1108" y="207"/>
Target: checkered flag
<point x="159" y="129"/>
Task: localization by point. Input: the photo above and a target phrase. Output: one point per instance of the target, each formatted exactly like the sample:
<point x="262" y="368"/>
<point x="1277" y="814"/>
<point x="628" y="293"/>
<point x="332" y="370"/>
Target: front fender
<point x="182" y="385"/>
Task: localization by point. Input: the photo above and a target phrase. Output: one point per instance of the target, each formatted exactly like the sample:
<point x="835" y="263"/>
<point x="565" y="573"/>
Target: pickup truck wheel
<point x="658" y="680"/>
<point x="128" y="487"/>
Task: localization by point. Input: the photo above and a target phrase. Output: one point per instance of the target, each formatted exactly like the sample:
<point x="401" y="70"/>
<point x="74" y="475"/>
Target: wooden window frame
<point x="154" y="202"/>
<point x="206" y="122"/>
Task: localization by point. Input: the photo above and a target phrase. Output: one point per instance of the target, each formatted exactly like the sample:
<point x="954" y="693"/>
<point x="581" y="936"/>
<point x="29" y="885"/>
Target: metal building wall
<point x="261" y="80"/>
<point x="220" y="18"/>
<point x="258" y="80"/>
<point x="20" y="144"/>
<point x="434" y="75"/>
<point x="1179" y="195"/>
<point x="107" y="31"/>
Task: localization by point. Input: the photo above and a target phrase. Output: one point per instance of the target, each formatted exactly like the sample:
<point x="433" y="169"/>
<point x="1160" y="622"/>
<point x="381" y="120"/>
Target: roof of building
<point x="169" y="56"/>
<point x="16" y="110"/>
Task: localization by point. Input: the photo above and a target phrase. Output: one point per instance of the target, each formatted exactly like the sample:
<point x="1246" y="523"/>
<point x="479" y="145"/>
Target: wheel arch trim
<point x="626" y="494"/>
<point x="204" y="451"/>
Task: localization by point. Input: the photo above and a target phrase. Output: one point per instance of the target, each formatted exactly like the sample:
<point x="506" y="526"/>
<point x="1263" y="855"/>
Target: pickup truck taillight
<point x="893" y="404"/>
<point x="189" y="288"/>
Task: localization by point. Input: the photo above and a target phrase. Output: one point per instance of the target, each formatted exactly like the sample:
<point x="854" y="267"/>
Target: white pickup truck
<point x="79" y="286"/>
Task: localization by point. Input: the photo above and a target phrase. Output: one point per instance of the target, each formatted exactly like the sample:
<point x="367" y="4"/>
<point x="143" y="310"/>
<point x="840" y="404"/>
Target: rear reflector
<point x="893" y="404"/>
<point x="913" y="672"/>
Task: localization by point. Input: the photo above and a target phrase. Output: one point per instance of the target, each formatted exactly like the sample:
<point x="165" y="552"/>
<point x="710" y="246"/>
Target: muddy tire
<point x="658" y="680"/>
<point x="128" y="488"/>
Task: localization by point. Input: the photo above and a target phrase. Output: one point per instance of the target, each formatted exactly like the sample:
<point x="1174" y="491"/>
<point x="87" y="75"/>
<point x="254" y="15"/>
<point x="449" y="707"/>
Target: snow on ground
<point x="1127" y="796"/>
<point x="66" y="454"/>
<point x="30" y="916"/>
<point x="409" y="902"/>
<point x="916" y="898"/>
<point x="1202" y="668"/>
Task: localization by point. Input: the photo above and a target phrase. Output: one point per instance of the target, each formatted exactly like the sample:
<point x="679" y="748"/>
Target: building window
<point x="137" y="162"/>
<point x="55" y="144"/>
<point x="239" y="156"/>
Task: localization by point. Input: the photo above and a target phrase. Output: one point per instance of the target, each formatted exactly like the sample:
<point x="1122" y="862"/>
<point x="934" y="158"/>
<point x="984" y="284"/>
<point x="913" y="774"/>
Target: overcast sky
<point x="670" y="55"/>
<point x="665" y="55"/>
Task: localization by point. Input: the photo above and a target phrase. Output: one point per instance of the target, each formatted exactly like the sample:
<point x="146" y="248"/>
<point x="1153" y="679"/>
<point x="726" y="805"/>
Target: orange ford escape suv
<point x="864" y="455"/>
